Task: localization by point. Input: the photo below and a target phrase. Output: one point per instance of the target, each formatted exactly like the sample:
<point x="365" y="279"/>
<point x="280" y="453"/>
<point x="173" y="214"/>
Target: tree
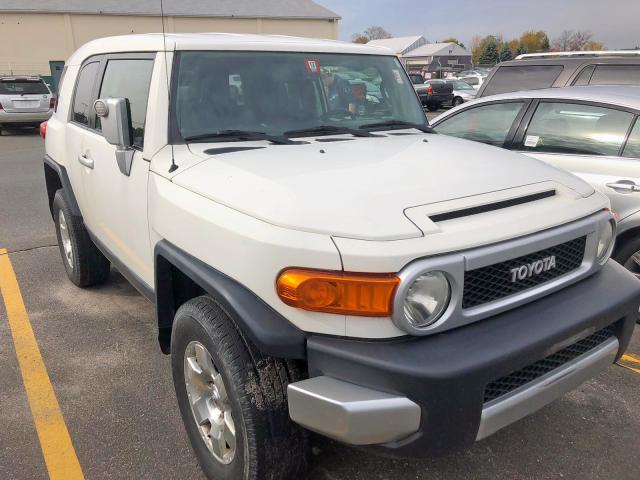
<point x="570" y="40"/>
<point x="371" y="33"/>
<point x="453" y="40"/>
<point x="489" y="54"/>
<point x="593" y="45"/>
<point x="505" y="53"/>
<point x="476" y="48"/>
<point x="534" y="41"/>
<point x="376" y="33"/>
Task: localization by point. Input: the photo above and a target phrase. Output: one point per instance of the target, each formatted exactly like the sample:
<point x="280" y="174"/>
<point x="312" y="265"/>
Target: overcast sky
<point x="616" y="23"/>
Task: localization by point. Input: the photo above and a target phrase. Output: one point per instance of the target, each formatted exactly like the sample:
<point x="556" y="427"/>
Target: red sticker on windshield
<point x="312" y="65"/>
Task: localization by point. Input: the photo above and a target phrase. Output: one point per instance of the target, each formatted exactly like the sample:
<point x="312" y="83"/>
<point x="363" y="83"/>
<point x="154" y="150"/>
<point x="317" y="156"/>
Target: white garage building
<point x="36" y="36"/>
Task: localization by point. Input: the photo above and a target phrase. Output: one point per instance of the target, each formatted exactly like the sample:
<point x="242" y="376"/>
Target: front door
<point x="119" y="217"/>
<point x="587" y="140"/>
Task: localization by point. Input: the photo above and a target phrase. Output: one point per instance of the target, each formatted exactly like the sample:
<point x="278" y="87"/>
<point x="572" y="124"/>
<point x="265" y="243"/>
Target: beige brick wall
<point x="28" y="41"/>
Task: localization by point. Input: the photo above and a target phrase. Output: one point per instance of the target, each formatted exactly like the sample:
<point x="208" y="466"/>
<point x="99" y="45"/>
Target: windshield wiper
<point x="398" y="124"/>
<point x="328" y="130"/>
<point x="239" y="135"/>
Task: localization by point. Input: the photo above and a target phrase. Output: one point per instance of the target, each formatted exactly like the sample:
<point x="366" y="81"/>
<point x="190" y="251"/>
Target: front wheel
<point x="457" y="101"/>
<point x="628" y="255"/>
<point x="232" y="399"/>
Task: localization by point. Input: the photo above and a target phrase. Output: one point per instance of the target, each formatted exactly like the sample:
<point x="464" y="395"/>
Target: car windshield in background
<point x="23" y="87"/>
<point x="525" y="77"/>
<point x="273" y="93"/>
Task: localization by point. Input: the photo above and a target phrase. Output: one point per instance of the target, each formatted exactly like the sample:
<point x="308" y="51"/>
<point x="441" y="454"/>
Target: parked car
<point x="476" y="81"/>
<point x="560" y="69"/>
<point x="435" y="93"/>
<point x="24" y="102"/>
<point x="476" y="72"/>
<point x="462" y="91"/>
<point x="318" y="267"/>
<point x="593" y="132"/>
<point x="416" y="78"/>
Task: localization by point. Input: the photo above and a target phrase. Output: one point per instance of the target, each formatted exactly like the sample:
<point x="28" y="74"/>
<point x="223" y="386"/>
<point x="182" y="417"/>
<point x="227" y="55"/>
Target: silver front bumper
<point x="351" y="413"/>
<point x="534" y="395"/>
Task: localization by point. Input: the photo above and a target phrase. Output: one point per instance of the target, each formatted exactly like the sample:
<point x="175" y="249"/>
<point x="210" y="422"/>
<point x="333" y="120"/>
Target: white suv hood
<point x="358" y="187"/>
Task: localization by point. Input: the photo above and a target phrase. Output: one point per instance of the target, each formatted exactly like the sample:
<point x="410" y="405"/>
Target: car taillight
<point x="43" y="129"/>
<point x="52" y="103"/>
<point x="430" y="89"/>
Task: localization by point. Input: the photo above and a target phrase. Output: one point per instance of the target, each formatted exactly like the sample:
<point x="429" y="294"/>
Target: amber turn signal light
<point x="362" y="294"/>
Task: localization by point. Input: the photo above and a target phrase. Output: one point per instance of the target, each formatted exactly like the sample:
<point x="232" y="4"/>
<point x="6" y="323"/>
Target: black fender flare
<point x="269" y="331"/>
<point x="53" y="169"/>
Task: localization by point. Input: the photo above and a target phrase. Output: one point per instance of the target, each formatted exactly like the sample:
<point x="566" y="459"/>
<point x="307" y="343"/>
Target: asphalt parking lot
<point x="114" y="388"/>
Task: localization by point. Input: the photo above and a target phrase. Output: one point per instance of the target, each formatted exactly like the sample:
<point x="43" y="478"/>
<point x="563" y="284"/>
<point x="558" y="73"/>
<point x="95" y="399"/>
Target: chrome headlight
<point x="606" y="239"/>
<point x="427" y="299"/>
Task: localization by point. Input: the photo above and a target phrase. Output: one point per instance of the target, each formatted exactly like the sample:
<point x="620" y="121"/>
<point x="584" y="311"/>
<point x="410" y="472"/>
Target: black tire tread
<point x="279" y="446"/>
<point x="91" y="267"/>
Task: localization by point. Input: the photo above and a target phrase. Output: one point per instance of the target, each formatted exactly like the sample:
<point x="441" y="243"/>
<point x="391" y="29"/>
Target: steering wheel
<point x="338" y="112"/>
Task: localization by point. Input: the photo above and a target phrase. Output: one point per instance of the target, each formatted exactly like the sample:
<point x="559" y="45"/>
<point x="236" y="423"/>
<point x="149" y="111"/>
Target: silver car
<point x="24" y="102"/>
<point x="462" y="91"/>
<point x="593" y="132"/>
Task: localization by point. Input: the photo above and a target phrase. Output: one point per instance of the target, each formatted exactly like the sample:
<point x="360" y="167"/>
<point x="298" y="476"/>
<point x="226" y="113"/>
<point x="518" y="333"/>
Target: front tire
<point x="232" y="399"/>
<point x="628" y="255"/>
<point x="84" y="263"/>
<point x="457" y="101"/>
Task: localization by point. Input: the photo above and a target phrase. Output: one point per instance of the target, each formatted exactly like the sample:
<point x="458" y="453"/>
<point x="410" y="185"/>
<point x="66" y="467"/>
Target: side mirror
<point x="115" y="121"/>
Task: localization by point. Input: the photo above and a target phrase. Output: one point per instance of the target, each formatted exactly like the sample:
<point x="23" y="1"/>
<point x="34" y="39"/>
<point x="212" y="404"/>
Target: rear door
<point x="77" y="125"/>
<point x="588" y="140"/>
<point x="24" y="95"/>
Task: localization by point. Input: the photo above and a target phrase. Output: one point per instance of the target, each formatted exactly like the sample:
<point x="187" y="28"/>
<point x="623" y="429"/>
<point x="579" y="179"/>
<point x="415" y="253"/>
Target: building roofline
<point x="171" y="14"/>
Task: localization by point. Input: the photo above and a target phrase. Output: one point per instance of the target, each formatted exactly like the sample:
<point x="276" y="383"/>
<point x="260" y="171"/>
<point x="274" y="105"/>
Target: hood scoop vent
<point x="490" y="207"/>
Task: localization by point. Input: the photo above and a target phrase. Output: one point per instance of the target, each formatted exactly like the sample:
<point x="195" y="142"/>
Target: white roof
<point x="190" y="8"/>
<point x="431" y="49"/>
<point x="397" y="44"/>
<point x="620" y="95"/>
<point x="153" y="42"/>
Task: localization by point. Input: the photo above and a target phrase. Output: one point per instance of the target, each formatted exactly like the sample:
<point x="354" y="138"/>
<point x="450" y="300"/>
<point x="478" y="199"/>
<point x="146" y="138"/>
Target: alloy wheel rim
<point x="66" y="240"/>
<point x="210" y="403"/>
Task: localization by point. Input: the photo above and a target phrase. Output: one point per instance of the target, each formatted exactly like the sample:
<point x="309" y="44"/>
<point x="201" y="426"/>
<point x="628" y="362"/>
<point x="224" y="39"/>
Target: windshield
<point x="23" y="87"/>
<point x="275" y="93"/>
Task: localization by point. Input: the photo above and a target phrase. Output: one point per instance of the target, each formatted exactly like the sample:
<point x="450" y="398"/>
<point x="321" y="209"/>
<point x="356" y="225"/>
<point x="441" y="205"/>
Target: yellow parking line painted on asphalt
<point x="57" y="449"/>
<point x="630" y="357"/>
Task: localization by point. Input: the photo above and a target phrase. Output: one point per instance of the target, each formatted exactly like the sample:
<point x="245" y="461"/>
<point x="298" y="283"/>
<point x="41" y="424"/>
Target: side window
<point x="82" y="100"/>
<point x="616" y="75"/>
<point x="577" y="129"/>
<point x="526" y="77"/>
<point x="584" y="76"/>
<point x="129" y="78"/>
<point x="487" y="124"/>
<point x="632" y="148"/>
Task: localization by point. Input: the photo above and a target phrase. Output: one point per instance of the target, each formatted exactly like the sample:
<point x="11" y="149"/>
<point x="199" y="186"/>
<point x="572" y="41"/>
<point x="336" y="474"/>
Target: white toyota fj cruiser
<point x="318" y="258"/>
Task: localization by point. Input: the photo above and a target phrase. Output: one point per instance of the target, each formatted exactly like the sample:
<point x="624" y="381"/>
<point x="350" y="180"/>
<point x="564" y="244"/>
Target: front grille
<point x="506" y="384"/>
<point x="494" y="282"/>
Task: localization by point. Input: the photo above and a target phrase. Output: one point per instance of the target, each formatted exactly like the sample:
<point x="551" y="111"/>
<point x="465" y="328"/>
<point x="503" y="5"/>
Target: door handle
<point x="624" y="185"/>
<point x="85" y="160"/>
